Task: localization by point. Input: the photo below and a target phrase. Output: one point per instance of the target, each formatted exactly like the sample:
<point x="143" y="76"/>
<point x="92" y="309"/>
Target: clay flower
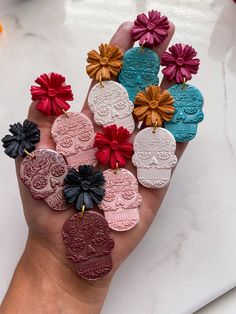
<point x="151" y="30"/>
<point x="52" y="94"/>
<point x="180" y="63"/>
<point x="153" y="106"/>
<point x="23" y="138"/>
<point x="113" y="146"/>
<point x="105" y="64"/>
<point x="84" y="187"/>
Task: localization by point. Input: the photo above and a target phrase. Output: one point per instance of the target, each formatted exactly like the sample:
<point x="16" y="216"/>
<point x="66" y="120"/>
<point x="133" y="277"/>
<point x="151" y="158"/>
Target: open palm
<point x="45" y="225"/>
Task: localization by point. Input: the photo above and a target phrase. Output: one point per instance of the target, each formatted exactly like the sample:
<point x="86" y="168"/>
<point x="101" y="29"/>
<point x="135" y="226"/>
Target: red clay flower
<point x="180" y="63"/>
<point x="113" y="146"/>
<point x="151" y="30"/>
<point x="52" y="94"/>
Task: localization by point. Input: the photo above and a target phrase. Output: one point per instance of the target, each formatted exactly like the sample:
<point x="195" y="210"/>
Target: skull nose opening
<point x="54" y="182"/>
<point x="181" y="116"/>
<point x="154" y="161"/>
<point x="90" y="250"/>
<point x="114" y="113"/>
<point x="138" y="80"/>
<point x="119" y="201"/>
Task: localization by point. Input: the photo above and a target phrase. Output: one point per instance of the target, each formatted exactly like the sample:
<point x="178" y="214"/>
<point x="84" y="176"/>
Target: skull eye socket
<point x="120" y="105"/>
<point x="99" y="239"/>
<point x="85" y="135"/>
<point x="148" y="75"/>
<point x="58" y="170"/>
<point x="66" y="141"/>
<point x="128" y="194"/>
<point x="163" y="154"/>
<point x="39" y="182"/>
<point x="109" y="196"/>
<point x="130" y="74"/>
<point x="102" y="110"/>
<point x="144" y="154"/>
<point x="190" y="110"/>
<point x="78" y="245"/>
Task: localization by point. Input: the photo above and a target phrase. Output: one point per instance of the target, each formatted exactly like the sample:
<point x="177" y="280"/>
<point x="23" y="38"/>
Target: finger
<point x="44" y="123"/>
<point x="123" y="39"/>
<point x="163" y="46"/>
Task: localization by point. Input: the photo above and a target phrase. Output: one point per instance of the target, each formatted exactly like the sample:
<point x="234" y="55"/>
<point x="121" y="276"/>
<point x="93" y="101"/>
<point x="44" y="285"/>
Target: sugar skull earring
<point x="86" y="234"/>
<point x="180" y="63"/>
<point x="141" y="65"/>
<point x="74" y="135"/>
<point x="108" y="100"/>
<point x="154" y="147"/>
<point x="73" y="132"/>
<point x="121" y="200"/>
<point x="42" y="170"/>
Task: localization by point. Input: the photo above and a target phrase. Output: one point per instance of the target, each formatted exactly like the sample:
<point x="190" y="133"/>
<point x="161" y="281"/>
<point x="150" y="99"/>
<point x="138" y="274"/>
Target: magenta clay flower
<point x="180" y="63"/>
<point x="152" y="30"/>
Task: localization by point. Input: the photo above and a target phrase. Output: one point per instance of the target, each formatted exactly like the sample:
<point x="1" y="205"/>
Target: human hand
<point x="44" y="257"/>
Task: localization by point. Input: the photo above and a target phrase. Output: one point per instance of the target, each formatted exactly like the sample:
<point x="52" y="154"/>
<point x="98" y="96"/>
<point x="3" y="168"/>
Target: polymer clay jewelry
<point x="154" y="146"/>
<point x="42" y="170"/>
<point x="86" y="235"/>
<point x="43" y="173"/>
<point x="108" y="100"/>
<point x="141" y="65"/>
<point x="180" y="64"/>
<point x="72" y="132"/>
<point x="74" y="136"/>
<point x="121" y="200"/>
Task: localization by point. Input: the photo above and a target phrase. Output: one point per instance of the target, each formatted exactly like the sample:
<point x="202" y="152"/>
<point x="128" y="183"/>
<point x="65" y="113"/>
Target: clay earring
<point x="72" y="132"/>
<point x="141" y="65"/>
<point x="86" y="234"/>
<point x="180" y="64"/>
<point x="121" y="200"/>
<point x="108" y="100"/>
<point x="154" y="146"/>
<point x="42" y="170"/>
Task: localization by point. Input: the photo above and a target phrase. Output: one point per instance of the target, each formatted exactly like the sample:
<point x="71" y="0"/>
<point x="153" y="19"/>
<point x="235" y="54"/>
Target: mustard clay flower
<point x="105" y="64"/>
<point x="154" y="106"/>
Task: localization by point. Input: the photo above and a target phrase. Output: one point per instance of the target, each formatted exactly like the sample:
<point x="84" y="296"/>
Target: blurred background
<point x="188" y="257"/>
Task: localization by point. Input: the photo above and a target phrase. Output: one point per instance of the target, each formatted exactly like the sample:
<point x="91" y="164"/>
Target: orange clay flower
<point x="154" y="105"/>
<point x="106" y="64"/>
<point x="1" y="28"/>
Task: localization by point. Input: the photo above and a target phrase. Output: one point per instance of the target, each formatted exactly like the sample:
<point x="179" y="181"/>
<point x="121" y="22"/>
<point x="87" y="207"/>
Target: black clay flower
<point x="84" y="187"/>
<point x="23" y="138"/>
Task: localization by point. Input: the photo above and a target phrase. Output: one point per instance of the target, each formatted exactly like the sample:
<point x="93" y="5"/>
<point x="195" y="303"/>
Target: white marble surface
<point x="188" y="257"/>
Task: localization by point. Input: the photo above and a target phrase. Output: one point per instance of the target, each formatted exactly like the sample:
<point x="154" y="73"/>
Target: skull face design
<point x="188" y="112"/>
<point x="111" y="105"/>
<point x="88" y="244"/>
<point x="154" y="156"/>
<point x="140" y="69"/>
<point x="74" y="136"/>
<point x="121" y="200"/>
<point x="44" y="175"/>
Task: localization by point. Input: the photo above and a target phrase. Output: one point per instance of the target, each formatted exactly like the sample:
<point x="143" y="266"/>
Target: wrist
<point x="49" y="284"/>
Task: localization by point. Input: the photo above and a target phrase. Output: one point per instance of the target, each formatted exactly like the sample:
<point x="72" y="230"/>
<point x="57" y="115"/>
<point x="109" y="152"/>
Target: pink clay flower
<point x="180" y="63"/>
<point x="151" y="30"/>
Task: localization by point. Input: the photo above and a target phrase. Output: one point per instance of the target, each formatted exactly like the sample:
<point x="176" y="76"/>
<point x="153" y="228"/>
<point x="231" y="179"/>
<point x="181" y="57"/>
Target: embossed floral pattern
<point x="23" y="138"/>
<point x="84" y="187"/>
<point x="150" y="30"/>
<point x="105" y="64"/>
<point x="52" y="94"/>
<point x="180" y="63"/>
<point x="113" y="146"/>
<point x="154" y="106"/>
